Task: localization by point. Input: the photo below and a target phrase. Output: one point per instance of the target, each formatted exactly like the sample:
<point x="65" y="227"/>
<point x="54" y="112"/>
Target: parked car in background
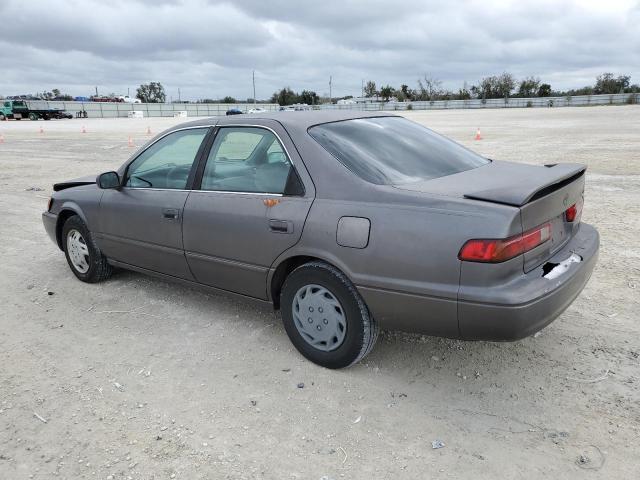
<point x="128" y="99"/>
<point x="345" y="221"/>
<point x="257" y="110"/>
<point x="234" y="111"/>
<point x="102" y="99"/>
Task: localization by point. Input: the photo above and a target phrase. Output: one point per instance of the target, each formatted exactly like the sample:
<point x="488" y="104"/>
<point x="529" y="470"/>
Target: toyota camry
<point x="346" y="222"/>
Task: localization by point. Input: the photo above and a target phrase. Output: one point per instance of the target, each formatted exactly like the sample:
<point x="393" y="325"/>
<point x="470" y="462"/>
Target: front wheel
<point x="33" y="116"/>
<point x="3" y="117"/>
<point x="83" y="255"/>
<point x="325" y="317"/>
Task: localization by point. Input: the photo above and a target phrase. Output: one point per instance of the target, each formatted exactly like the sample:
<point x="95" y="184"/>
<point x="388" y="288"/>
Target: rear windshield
<point x="393" y="150"/>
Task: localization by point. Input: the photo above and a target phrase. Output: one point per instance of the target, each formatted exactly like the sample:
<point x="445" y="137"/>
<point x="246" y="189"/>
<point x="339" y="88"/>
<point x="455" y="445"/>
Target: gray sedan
<point x="345" y="221"/>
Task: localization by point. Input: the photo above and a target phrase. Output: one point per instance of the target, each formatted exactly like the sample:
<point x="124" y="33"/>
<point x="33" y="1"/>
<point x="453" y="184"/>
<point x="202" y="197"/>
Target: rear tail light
<point x="574" y="212"/>
<point x="503" y="249"/>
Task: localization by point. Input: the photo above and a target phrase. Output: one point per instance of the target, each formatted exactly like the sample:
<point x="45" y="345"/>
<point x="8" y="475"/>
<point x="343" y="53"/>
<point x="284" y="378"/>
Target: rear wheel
<point x="83" y="255"/>
<point x="325" y="316"/>
<point x="33" y="116"/>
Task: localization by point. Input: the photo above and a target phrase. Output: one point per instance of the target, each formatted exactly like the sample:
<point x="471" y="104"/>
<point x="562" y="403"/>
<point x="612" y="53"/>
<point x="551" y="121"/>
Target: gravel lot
<point x="142" y="379"/>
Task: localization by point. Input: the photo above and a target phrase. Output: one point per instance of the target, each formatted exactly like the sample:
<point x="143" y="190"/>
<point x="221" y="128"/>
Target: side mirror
<point x="108" y="180"/>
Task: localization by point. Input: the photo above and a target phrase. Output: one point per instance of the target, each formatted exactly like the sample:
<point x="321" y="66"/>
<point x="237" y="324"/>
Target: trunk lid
<point x="542" y="193"/>
<point x="550" y="205"/>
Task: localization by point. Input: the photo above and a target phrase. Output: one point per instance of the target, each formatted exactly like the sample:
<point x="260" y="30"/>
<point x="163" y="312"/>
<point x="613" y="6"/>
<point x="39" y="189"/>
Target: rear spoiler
<point x="538" y="183"/>
<point x="77" y="182"/>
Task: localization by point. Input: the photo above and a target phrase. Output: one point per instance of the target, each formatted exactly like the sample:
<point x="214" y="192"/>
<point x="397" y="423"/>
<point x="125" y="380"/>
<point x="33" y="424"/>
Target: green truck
<point x="18" y="109"/>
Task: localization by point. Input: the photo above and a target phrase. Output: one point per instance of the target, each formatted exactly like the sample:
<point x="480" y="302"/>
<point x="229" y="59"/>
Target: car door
<point x="251" y="206"/>
<point x="140" y="224"/>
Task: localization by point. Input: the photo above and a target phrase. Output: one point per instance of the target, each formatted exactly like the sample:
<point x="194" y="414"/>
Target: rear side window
<point x="393" y="150"/>
<point x="246" y="159"/>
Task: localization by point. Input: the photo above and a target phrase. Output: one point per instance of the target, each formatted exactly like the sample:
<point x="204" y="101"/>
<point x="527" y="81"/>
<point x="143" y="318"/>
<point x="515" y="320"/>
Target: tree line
<point x="428" y="88"/>
<point x="504" y="85"/>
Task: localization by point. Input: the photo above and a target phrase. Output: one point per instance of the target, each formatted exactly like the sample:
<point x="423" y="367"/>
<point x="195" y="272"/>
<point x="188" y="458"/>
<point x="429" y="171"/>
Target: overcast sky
<point x="208" y="48"/>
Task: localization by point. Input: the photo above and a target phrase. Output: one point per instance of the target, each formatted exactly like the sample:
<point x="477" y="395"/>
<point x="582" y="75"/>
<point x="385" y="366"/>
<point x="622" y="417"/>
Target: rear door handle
<point x="281" y="226"/>
<point x="170" y="213"/>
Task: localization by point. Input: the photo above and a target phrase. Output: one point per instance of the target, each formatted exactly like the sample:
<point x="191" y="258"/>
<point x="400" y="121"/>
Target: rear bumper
<point x="532" y="301"/>
<point x="49" y="221"/>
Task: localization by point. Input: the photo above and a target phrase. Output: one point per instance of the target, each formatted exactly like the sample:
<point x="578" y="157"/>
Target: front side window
<point x="167" y="163"/>
<point x="393" y="150"/>
<point x="246" y="159"/>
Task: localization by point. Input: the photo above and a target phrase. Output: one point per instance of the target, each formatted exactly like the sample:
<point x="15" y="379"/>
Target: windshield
<point x="393" y="150"/>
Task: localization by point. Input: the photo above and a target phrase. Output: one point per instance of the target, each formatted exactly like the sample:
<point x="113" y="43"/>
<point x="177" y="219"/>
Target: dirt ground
<point x="137" y="378"/>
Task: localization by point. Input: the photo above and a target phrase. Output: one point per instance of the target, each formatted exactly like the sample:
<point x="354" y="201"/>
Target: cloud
<point x="208" y="48"/>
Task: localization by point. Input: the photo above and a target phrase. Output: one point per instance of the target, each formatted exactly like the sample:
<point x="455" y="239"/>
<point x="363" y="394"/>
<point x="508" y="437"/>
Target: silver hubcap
<point x="78" y="251"/>
<point x="319" y="317"/>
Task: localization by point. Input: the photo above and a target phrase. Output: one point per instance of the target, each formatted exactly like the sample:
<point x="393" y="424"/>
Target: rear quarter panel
<point x="409" y="271"/>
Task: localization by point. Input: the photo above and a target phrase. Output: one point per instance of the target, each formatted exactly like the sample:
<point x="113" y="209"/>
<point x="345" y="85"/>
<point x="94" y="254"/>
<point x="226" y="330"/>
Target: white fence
<point x="114" y="109"/>
<point x="569" y="101"/>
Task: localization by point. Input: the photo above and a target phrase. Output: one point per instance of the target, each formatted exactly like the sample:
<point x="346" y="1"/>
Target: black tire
<point x="362" y="329"/>
<point x="2" y="117"/>
<point x="99" y="268"/>
<point x="33" y="117"/>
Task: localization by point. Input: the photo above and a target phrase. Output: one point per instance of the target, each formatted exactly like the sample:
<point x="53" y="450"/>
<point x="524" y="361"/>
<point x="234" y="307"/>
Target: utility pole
<point x="127" y="91"/>
<point x="362" y="90"/>
<point x="96" y="91"/>
<point x="253" y="77"/>
<point x="330" y="93"/>
<point x="178" y="94"/>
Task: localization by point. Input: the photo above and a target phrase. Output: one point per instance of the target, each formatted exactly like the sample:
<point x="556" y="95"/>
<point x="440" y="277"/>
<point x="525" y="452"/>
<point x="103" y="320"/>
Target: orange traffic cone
<point x="84" y="130"/>
<point x="148" y="130"/>
<point x="1" y="138"/>
<point x="130" y="143"/>
<point x="478" y="136"/>
<point x="41" y="130"/>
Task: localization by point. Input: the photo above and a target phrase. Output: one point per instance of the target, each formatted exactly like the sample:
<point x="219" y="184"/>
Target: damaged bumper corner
<point x="535" y="299"/>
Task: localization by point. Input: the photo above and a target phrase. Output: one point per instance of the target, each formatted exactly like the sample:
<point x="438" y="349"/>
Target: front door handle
<point x="170" y="213"/>
<point x="281" y="226"/>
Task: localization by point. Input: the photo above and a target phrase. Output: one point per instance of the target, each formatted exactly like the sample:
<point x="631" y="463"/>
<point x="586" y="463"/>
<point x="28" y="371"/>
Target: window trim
<point x="197" y="184"/>
<point x="196" y="160"/>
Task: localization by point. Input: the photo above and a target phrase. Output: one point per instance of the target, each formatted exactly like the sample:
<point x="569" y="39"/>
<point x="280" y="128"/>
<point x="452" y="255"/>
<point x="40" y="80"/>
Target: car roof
<point x="291" y="120"/>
